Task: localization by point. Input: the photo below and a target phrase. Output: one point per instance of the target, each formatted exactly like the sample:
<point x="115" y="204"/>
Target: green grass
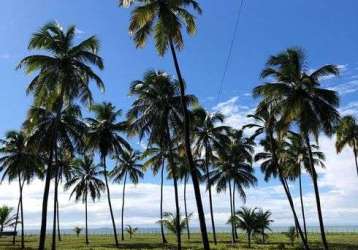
<point x="339" y="241"/>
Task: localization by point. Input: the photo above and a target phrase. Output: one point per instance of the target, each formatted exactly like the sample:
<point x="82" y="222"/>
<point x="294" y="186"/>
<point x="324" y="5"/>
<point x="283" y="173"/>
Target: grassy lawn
<point x="339" y="241"/>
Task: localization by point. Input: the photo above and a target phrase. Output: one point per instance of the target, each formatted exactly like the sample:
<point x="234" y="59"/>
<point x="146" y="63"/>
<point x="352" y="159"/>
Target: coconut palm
<point x="104" y="136"/>
<point x="131" y="230"/>
<point x="291" y="234"/>
<point x="86" y="183"/>
<point x="210" y="136"/>
<point x="78" y="231"/>
<point x="301" y="100"/>
<point x="6" y="219"/>
<point x="156" y="113"/>
<point x="231" y="168"/>
<point x="156" y="160"/>
<point x="170" y="222"/>
<point x="246" y="219"/>
<point x="263" y="222"/>
<point x="127" y="166"/>
<point x="166" y="18"/>
<point x="64" y="73"/>
<point x="19" y="162"/>
<point x="347" y="135"/>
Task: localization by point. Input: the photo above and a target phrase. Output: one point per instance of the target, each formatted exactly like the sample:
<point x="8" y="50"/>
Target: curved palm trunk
<point x="54" y="228"/>
<point x="109" y="200"/>
<point x="45" y="203"/>
<point x="316" y="190"/>
<point x="86" y="217"/>
<point x="234" y="207"/>
<point x="164" y="240"/>
<point x="58" y="221"/>
<point x="231" y="216"/>
<point x="185" y="207"/>
<point x="210" y="196"/>
<point x="123" y="196"/>
<point x="355" y="156"/>
<point x="302" y="207"/>
<point x="189" y="155"/>
<point x="17" y="214"/>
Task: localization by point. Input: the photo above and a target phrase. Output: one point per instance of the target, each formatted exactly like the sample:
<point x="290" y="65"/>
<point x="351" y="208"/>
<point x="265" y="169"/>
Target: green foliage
<point x="131" y="230"/>
<point x="291" y="235"/>
<point x="6" y="218"/>
<point x="170" y="222"/>
<point x="78" y="231"/>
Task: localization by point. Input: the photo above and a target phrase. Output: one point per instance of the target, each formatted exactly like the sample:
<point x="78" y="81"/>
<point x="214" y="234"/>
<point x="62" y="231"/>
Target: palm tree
<point x="18" y="161"/>
<point x="127" y="166"/>
<point x="157" y="162"/>
<point x="232" y="168"/>
<point x="263" y="222"/>
<point x="78" y="231"/>
<point x="209" y="137"/>
<point x="167" y="18"/>
<point x="131" y="230"/>
<point x="64" y="74"/>
<point x="347" y="135"/>
<point x="156" y="113"/>
<point x="291" y="234"/>
<point x="104" y="136"/>
<point x="246" y="219"/>
<point x="85" y="182"/>
<point x="6" y="219"/>
<point x="170" y="222"/>
<point x="301" y="100"/>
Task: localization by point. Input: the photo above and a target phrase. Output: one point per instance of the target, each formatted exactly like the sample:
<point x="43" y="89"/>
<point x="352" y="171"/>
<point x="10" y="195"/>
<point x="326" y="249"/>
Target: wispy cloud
<point x="5" y="56"/>
<point x="347" y="87"/>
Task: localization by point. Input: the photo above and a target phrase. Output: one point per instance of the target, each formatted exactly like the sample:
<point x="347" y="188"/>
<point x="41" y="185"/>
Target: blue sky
<point x="326" y="29"/>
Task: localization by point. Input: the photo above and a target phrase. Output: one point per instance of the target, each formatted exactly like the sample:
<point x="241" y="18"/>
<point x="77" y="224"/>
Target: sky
<point x="325" y="29"/>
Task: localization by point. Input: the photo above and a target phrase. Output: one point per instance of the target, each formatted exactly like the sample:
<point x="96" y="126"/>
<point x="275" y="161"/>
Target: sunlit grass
<point x="339" y="241"/>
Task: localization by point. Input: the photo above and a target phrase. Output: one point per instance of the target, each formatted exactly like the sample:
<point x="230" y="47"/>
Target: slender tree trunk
<point x="45" y="203"/>
<point x="21" y="185"/>
<point x="316" y="190"/>
<point x="109" y="200"/>
<point x="54" y="228"/>
<point x="234" y="206"/>
<point x="17" y="214"/>
<point x="123" y="196"/>
<point x="231" y="215"/>
<point x="86" y="218"/>
<point x="249" y="238"/>
<point x="186" y="211"/>
<point x="302" y="207"/>
<point x="355" y="156"/>
<point x="189" y="155"/>
<point x="58" y="221"/>
<point x="210" y="195"/>
<point x="164" y="240"/>
<point x="263" y="235"/>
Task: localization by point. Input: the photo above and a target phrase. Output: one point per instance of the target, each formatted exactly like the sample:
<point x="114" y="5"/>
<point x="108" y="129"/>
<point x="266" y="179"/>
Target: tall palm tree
<point x="347" y="135"/>
<point x="156" y="113"/>
<point x="265" y="123"/>
<point x="166" y="19"/>
<point x="86" y="183"/>
<point x="6" y="219"/>
<point x="210" y="136"/>
<point x="156" y="161"/>
<point x="301" y="100"/>
<point x="232" y="168"/>
<point x="127" y="166"/>
<point x="263" y="221"/>
<point x="64" y="73"/>
<point x="104" y="137"/>
<point x="19" y="161"/>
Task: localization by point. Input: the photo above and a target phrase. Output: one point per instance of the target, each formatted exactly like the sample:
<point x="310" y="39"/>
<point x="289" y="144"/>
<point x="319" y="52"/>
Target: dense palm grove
<point x="185" y="142"/>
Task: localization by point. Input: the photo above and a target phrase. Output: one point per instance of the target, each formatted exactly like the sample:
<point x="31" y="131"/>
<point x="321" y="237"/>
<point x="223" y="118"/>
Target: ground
<point x="339" y="241"/>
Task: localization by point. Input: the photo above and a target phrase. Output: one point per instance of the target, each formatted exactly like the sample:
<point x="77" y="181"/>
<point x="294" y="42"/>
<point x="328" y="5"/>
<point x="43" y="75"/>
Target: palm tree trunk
<point x="22" y="218"/>
<point x="231" y="215"/>
<point x="17" y="213"/>
<point x="302" y="207"/>
<point x="86" y="217"/>
<point x="263" y="235"/>
<point x="234" y="206"/>
<point x="189" y="155"/>
<point x="54" y="228"/>
<point x="186" y="211"/>
<point x="109" y="200"/>
<point x="210" y="195"/>
<point x="316" y="190"/>
<point x="45" y="203"/>
<point x="58" y="221"/>
<point x="164" y="240"/>
<point x="355" y="156"/>
<point x="123" y="196"/>
<point x="249" y="238"/>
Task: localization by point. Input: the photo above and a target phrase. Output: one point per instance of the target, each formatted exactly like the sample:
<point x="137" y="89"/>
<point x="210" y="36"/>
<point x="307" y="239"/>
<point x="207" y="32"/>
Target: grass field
<point x="339" y="241"/>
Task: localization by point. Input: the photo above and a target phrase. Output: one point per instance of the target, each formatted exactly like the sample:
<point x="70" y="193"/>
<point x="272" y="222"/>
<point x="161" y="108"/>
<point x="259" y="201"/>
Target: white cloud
<point x="5" y="56"/>
<point x="347" y="87"/>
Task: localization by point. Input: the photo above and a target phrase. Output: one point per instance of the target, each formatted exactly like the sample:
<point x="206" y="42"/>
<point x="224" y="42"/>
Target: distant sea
<point x="220" y="229"/>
